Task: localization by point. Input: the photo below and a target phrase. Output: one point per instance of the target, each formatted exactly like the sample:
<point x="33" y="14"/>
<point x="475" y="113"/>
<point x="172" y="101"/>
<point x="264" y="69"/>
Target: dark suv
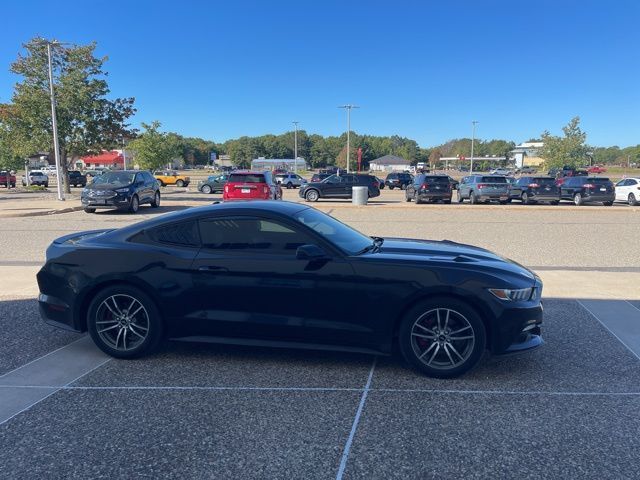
<point x="484" y="188"/>
<point x="77" y="179"/>
<point x="429" y="188"/>
<point x="398" y="180"/>
<point x="535" y="189"/>
<point x="338" y="186"/>
<point x="124" y="190"/>
<point x="583" y="190"/>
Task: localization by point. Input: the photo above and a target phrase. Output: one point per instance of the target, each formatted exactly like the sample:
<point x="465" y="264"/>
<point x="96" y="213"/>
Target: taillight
<point x="226" y="189"/>
<point x="481" y="185"/>
<point x="266" y="190"/>
<point x="534" y="185"/>
<point x="589" y="185"/>
<point x="425" y="186"/>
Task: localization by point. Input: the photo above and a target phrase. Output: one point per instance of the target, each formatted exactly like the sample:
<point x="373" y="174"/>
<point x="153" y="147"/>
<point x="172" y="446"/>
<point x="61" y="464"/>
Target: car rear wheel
<point x="289" y="186"/>
<point x="607" y="204"/>
<point x="179" y="183"/>
<point x="577" y="199"/>
<point x="124" y="322"/>
<point x="460" y="199"/>
<point x="472" y="198"/>
<point x="206" y="189"/>
<point x="555" y="202"/>
<point x="162" y="184"/>
<point x="442" y="337"/>
<point x="311" y="196"/>
<point x="134" y="205"/>
<point x="391" y="187"/>
<point x="156" y="200"/>
<point x="525" y="199"/>
<point x="403" y="187"/>
<point x="418" y="199"/>
<point x="89" y="210"/>
<point x="632" y="200"/>
<point x="407" y="198"/>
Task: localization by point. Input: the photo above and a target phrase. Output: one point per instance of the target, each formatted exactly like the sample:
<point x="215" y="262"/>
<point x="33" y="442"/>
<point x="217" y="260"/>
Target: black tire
<point x="155" y="203"/>
<point x="555" y="202"/>
<point x="525" y="199"/>
<point x="148" y="317"/>
<point x="89" y="210"/>
<point x="161" y="183"/>
<point x="289" y="186"/>
<point x="577" y="199"/>
<point x="418" y="200"/>
<point x="421" y="322"/>
<point x="46" y="185"/>
<point x="460" y="198"/>
<point x="631" y="200"/>
<point x="607" y="204"/>
<point x="311" y="196"/>
<point x="403" y="187"/>
<point x="407" y="198"/>
<point x="472" y="198"/>
<point x="179" y="183"/>
<point x="134" y="205"/>
<point x="446" y="202"/>
<point x="391" y="187"/>
<point x="206" y="189"/>
<point x="503" y="202"/>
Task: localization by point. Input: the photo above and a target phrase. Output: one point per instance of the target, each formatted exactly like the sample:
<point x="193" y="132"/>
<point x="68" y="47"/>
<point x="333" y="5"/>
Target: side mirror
<point x="310" y="252"/>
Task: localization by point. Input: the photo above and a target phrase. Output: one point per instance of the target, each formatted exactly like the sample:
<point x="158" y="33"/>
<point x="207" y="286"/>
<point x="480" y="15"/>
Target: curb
<point x="43" y="212"/>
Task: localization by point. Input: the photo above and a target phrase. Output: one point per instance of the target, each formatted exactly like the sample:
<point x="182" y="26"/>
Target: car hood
<point x="448" y="251"/>
<point x="105" y="186"/>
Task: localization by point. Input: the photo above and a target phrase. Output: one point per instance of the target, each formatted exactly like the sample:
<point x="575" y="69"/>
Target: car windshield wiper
<point x="374" y="247"/>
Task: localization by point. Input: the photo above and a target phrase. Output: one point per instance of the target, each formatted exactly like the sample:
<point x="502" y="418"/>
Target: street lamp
<point x="348" y="107"/>
<point x="54" y="122"/>
<point x="295" y="148"/>
<point x="473" y="138"/>
<point x="124" y="156"/>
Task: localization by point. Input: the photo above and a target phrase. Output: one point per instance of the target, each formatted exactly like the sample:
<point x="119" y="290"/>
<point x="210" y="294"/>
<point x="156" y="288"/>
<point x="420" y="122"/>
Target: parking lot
<point x="569" y="409"/>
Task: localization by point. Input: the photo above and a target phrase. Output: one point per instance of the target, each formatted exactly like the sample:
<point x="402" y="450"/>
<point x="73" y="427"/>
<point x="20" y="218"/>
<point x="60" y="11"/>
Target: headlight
<point x="122" y="190"/>
<point x="519" y="295"/>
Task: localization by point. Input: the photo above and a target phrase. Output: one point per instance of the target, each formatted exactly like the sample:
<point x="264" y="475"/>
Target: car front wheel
<point x="156" y="200"/>
<point x="124" y="322"/>
<point x="577" y="199"/>
<point x="134" y="205"/>
<point x="206" y="189"/>
<point x="89" y="210"/>
<point x="311" y="196"/>
<point x="632" y="200"/>
<point x="442" y="337"/>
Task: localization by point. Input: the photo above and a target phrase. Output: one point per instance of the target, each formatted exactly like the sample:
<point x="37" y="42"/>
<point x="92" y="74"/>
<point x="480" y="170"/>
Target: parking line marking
<point x="356" y="420"/>
<point x="634" y="306"/>
<point x="621" y="326"/>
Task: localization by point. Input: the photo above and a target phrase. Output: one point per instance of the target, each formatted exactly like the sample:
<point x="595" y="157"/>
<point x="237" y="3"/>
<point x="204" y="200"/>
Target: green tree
<point x="569" y="149"/>
<point x="154" y="149"/>
<point x="87" y="120"/>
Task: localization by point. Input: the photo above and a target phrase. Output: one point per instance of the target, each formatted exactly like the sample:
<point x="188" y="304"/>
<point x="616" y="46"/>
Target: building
<point x="389" y="163"/>
<point x="223" y="161"/>
<point x="112" y="160"/>
<point x="526" y="154"/>
<point x="288" y="164"/>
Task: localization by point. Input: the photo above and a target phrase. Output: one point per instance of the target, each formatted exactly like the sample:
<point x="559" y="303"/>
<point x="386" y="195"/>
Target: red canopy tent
<point x="111" y="159"/>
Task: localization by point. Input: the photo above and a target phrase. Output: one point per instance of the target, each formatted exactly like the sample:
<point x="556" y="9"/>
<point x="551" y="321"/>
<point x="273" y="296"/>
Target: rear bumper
<point x="492" y="196"/>
<point x="438" y="195"/>
<point x="57" y="313"/>
<point x="599" y="198"/>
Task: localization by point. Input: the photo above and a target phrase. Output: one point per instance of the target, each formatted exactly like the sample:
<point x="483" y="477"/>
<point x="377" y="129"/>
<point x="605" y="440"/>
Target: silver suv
<point x="484" y="188"/>
<point x="290" y="180"/>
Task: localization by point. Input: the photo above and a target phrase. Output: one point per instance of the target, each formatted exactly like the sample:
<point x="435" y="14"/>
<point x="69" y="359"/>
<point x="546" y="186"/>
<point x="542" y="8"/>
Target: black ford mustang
<point x="284" y="274"/>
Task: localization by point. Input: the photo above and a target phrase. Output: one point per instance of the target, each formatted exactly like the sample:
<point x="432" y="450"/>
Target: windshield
<point x="345" y="238"/>
<point x="494" y="180"/>
<point x="437" y="179"/>
<point x="115" y="178"/>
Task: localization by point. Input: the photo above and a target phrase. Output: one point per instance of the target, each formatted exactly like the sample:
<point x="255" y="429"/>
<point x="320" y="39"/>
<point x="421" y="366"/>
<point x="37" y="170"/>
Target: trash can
<point x="360" y="195"/>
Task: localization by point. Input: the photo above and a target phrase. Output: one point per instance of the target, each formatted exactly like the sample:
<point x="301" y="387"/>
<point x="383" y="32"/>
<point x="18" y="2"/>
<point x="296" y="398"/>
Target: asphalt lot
<point x="569" y="409"/>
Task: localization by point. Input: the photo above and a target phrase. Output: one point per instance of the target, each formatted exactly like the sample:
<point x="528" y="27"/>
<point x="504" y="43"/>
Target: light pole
<point x="124" y="156"/>
<point x="348" y="107"/>
<point x="54" y="124"/>
<point x="473" y="138"/>
<point x="295" y="148"/>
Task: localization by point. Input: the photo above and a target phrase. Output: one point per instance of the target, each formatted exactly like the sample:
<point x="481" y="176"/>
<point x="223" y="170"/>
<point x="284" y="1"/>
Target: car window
<point x="180" y="234"/>
<point x="493" y="180"/>
<point x="544" y="181"/>
<point x="598" y="180"/>
<point x="248" y="234"/>
<point x="247" y="178"/>
<point x="115" y="178"/>
<point x="631" y="181"/>
<point x="333" y="179"/>
<point x="344" y="237"/>
<point x="437" y="179"/>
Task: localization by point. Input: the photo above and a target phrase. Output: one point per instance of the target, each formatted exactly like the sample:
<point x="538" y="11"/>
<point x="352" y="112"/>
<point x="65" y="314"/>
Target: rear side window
<point x="437" y="179"/>
<point x="183" y="234"/>
<point x="598" y="181"/>
<point x="246" y="178"/>
<point x="493" y="180"/>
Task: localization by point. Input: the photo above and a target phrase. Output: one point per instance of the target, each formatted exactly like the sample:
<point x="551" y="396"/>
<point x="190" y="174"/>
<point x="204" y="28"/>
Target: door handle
<point x="212" y="268"/>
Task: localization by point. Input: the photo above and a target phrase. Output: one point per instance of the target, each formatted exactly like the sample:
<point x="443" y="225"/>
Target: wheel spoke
<point x="446" y="319"/>
<point x="460" y="330"/>
<point x="435" y="352"/>
<point x="434" y="344"/>
<point x="107" y="321"/>
<point x="425" y="329"/>
<point x="455" y="351"/>
<point x="444" y="347"/>
<point x="113" y="312"/>
<point x="438" y="317"/>
<point x="468" y="337"/>
<point x="108" y="328"/>
<point x="118" y="337"/>
<point x="139" y="326"/>
<point x="124" y="338"/>
<point x="133" y="330"/>
<point x="432" y="337"/>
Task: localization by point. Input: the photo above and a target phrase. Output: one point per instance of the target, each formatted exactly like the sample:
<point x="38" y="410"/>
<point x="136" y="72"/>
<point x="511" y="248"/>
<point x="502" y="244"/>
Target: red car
<point x="596" y="169"/>
<point x="251" y="186"/>
<point x="7" y="179"/>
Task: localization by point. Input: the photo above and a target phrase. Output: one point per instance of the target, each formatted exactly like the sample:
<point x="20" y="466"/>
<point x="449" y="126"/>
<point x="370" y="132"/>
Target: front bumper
<point x="119" y="201"/>
<point x="517" y="330"/>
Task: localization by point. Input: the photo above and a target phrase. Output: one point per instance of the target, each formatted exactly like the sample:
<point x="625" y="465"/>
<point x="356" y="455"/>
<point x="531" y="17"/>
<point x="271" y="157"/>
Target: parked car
<point x="501" y="171"/>
<point x="94" y="172"/>
<point x="77" y="178"/>
<point x="398" y="180"/>
<point x="318" y="177"/>
<point x="124" y="190"/>
<point x="596" y="169"/>
<point x="528" y="171"/>
<point x="250" y="185"/>
<point x="213" y="183"/>
<point x="583" y="190"/>
<point x="483" y="188"/>
<point x="228" y="264"/>
<point x="339" y="186"/>
<point x="628" y="190"/>
<point x="429" y="188"/>
<point x="453" y="182"/>
<point x="380" y="183"/>
<point x="531" y="190"/>
<point x="49" y="170"/>
<point x="171" y="177"/>
<point x="36" y="177"/>
<point x="290" y="180"/>
<point x="7" y="179"/>
<point x="567" y="172"/>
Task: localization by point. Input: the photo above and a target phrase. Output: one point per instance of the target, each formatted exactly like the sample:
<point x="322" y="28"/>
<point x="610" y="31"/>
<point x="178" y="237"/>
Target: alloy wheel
<point x="312" y="196"/>
<point x="442" y="338"/>
<point x="206" y="189"/>
<point x="632" y="200"/>
<point x="122" y="322"/>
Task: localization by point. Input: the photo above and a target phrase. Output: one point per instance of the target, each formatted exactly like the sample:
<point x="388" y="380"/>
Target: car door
<point x="519" y="187"/>
<point x="333" y="186"/>
<point x="463" y="188"/>
<point x="622" y="190"/>
<point x="566" y="189"/>
<point x="248" y="282"/>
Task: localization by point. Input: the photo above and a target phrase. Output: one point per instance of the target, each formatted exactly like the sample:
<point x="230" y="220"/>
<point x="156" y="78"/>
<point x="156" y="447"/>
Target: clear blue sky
<point x="421" y="69"/>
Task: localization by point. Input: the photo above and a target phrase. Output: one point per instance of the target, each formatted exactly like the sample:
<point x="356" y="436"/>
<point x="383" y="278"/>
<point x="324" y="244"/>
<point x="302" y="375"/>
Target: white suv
<point x="289" y="180"/>
<point x="628" y="190"/>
